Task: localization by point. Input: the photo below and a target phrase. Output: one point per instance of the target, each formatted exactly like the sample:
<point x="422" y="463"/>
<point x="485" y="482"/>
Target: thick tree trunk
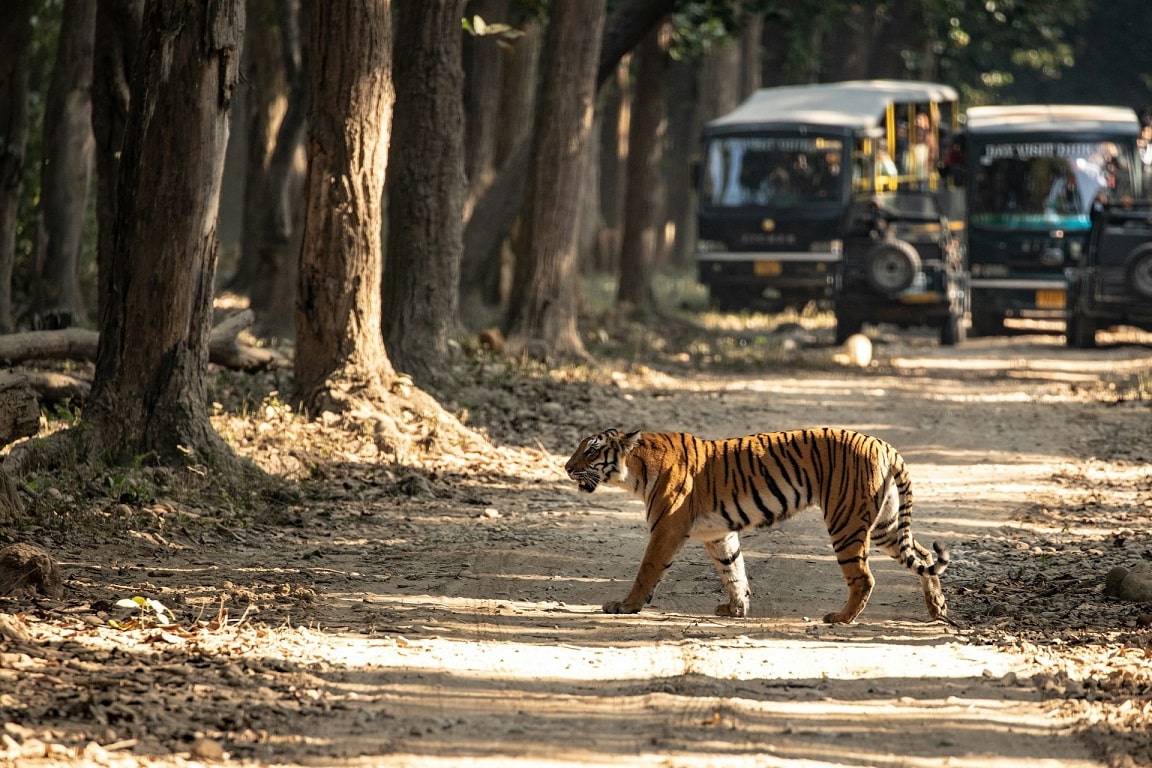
<point x="148" y="392"/>
<point x="542" y="309"/>
<point x="643" y="215"/>
<point x="118" y="30"/>
<point x="67" y="165"/>
<point x="15" y="38"/>
<point x="278" y="108"/>
<point x="339" y="344"/>
<point x="426" y="188"/>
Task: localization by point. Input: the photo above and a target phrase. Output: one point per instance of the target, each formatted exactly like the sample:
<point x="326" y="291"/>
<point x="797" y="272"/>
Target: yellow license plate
<point x="1050" y="299"/>
<point x="767" y="268"/>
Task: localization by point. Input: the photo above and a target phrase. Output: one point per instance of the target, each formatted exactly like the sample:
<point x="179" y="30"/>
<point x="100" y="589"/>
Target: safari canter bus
<point x="1034" y="172"/>
<point x="781" y="172"/>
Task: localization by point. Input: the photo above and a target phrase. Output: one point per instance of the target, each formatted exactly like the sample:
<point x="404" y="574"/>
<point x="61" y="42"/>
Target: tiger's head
<point x="600" y="459"/>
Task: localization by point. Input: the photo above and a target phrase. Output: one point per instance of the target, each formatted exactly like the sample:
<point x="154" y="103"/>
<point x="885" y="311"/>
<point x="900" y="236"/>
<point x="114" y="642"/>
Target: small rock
<point x="207" y="749"/>
<point x="1113" y="580"/>
<point x="26" y="569"/>
<point x="1133" y="585"/>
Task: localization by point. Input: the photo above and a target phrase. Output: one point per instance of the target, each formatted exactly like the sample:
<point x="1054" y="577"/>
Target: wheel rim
<point x="891" y="271"/>
<point x="1142" y="276"/>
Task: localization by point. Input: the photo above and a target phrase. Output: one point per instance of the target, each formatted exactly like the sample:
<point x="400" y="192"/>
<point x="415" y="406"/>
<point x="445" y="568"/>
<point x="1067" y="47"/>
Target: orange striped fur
<point x="710" y="490"/>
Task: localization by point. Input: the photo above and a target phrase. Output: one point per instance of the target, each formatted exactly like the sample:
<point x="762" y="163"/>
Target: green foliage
<point x="985" y="47"/>
<point x="701" y="26"/>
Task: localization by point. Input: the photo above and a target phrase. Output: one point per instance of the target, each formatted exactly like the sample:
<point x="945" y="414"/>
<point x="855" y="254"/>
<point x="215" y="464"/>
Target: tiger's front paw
<point x="838" y="618"/>
<point x="738" y="609"/>
<point x="619" y="606"/>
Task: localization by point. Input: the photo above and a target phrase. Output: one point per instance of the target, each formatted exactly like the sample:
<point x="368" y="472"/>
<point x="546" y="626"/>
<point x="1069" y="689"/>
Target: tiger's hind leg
<point x="729" y="561"/>
<point x="852" y="555"/>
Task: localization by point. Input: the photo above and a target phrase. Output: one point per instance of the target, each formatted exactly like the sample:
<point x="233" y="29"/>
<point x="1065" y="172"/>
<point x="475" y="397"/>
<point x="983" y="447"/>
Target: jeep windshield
<point x="1045" y="183"/>
<point x="773" y="172"/>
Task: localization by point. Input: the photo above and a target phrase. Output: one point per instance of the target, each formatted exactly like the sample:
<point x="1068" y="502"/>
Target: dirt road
<point x="462" y="628"/>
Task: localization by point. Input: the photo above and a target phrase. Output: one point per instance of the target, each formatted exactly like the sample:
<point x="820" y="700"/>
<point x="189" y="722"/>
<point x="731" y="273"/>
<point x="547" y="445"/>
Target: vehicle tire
<point x="953" y="332"/>
<point x="1139" y="271"/>
<point x="846" y="325"/>
<point x="1080" y="331"/>
<point x="987" y="324"/>
<point x="891" y="266"/>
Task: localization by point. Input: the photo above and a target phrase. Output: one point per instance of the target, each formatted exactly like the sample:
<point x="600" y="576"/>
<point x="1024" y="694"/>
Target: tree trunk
<point x="615" y="116"/>
<point x="681" y="154"/>
<point x="339" y="343"/>
<point x="278" y="106"/>
<point x="496" y="210"/>
<point x="520" y="71"/>
<point x="643" y="215"/>
<point x="67" y="166"/>
<point x="481" y="267"/>
<point x="148" y="392"/>
<point x="118" y="30"/>
<point x="542" y="309"/>
<point x="426" y="189"/>
<point x="19" y="412"/>
<point x="15" y="38"/>
<point x="482" y="90"/>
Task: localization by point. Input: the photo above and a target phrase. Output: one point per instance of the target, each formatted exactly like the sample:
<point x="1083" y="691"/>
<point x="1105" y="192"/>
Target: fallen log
<point x="224" y="347"/>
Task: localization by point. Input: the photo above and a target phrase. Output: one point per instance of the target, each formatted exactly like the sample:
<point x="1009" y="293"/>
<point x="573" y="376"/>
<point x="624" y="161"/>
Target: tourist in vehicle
<point x="1144" y="153"/>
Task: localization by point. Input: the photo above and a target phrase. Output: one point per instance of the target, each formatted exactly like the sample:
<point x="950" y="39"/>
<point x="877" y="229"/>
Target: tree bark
<point x="339" y="343"/>
<point x="482" y="89"/>
<point x="278" y="108"/>
<point x="19" y="413"/>
<point x="15" y="39"/>
<point x="148" y="392"/>
<point x="118" y="30"/>
<point x="482" y="269"/>
<point x="615" y="115"/>
<point x="426" y="189"/>
<point x="542" y="309"/>
<point x="496" y="210"/>
<point x="643" y="225"/>
<point x="66" y="169"/>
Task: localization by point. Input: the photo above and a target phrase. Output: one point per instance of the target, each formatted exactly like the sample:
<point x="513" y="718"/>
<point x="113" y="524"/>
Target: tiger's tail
<point x="913" y="555"/>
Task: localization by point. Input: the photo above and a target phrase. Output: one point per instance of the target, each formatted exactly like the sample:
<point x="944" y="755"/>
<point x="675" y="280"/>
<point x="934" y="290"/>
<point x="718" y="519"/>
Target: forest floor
<point x="447" y="614"/>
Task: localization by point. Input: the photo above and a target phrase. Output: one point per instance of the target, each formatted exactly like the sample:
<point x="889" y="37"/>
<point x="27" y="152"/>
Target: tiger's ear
<point x="630" y="441"/>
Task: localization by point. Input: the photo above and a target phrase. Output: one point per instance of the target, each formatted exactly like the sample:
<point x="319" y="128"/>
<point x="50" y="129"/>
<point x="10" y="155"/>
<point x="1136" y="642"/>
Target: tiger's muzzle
<point x="586" y="481"/>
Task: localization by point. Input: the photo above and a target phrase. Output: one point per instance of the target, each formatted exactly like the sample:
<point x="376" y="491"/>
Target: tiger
<point x="710" y="490"/>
